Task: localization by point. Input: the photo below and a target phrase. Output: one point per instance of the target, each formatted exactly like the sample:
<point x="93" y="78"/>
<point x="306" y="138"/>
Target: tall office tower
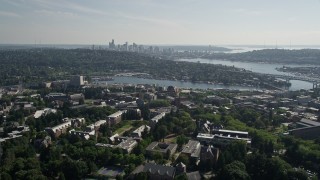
<point x="112" y="45"/>
<point x="76" y="81"/>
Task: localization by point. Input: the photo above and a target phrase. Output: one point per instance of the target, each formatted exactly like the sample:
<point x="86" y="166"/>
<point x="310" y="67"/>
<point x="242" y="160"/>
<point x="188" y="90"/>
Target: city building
<point x="217" y="100"/>
<point x="44" y="112"/>
<point x="56" y="131"/>
<point x="306" y="129"/>
<point x="155" y="171"/>
<point x="126" y="145"/>
<point x="303" y="100"/>
<point x="165" y="149"/>
<point x="181" y="168"/>
<point x="16" y="133"/>
<point x="56" y="96"/>
<point x="138" y="132"/>
<point x="76" y="81"/>
<point x="95" y="126"/>
<point x="83" y="134"/>
<point x="115" y="118"/>
<point x="192" y="149"/>
<point x="155" y="119"/>
<point x="222" y="137"/>
<point x="209" y="155"/>
<point x="62" y="128"/>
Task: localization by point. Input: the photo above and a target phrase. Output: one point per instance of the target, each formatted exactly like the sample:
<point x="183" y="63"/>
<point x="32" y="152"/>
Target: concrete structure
<point x="126" y="145"/>
<point x="76" y="81"/>
<point x="181" y="168"/>
<point x="155" y="119"/>
<point x="209" y="155"/>
<point x="57" y="96"/>
<point x="76" y="98"/>
<point x="95" y="126"/>
<point x="216" y="100"/>
<point x="56" y="131"/>
<point x="138" y="132"/>
<point x="44" y="112"/>
<point x="303" y="100"/>
<point x="222" y="137"/>
<point x="83" y="134"/>
<point x="115" y="118"/>
<point x="163" y="148"/>
<point x="16" y="133"/>
<point x="306" y="129"/>
<point x="306" y="133"/>
<point x="155" y="171"/>
<point x="192" y="149"/>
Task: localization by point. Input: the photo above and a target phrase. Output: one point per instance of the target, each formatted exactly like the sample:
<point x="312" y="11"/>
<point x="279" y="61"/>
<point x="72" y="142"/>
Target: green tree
<point x="141" y="176"/>
<point x="181" y="140"/>
<point x="234" y="171"/>
<point x="162" y="132"/>
<point x="181" y="177"/>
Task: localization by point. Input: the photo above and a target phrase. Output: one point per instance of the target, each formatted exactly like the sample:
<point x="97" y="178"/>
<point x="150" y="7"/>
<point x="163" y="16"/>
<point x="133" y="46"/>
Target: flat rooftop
<point x="230" y="131"/>
<point x="310" y="122"/>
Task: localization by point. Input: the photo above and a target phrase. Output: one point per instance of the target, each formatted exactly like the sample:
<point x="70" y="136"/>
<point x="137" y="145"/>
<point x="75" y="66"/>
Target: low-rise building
<point x="115" y="118"/>
<point x="83" y="134"/>
<point x="19" y="130"/>
<point x="155" y="119"/>
<point x="57" y="96"/>
<point x="44" y="112"/>
<point x="222" y="137"/>
<point x="138" y="132"/>
<point x="192" y="149"/>
<point x="217" y="100"/>
<point x="303" y="100"/>
<point x="56" y="131"/>
<point x="155" y="171"/>
<point x="306" y="129"/>
<point x="126" y="145"/>
<point x="209" y="155"/>
<point x="165" y="149"/>
<point x="95" y="126"/>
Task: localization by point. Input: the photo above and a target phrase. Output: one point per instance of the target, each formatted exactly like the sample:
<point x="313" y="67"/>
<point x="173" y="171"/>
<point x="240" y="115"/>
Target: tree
<point x="158" y="157"/>
<point x="181" y="177"/>
<point x="234" y="171"/>
<point x="298" y="174"/>
<point x="5" y="176"/>
<point x="74" y="169"/>
<point x="141" y="176"/>
<point x="184" y="159"/>
<point x="162" y="132"/>
<point x="181" y="140"/>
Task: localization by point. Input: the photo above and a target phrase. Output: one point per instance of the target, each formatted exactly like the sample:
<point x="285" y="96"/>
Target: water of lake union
<point x="254" y="67"/>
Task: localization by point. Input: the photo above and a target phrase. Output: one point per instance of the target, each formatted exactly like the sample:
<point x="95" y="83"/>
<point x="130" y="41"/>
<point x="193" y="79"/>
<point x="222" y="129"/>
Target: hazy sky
<point x="215" y="22"/>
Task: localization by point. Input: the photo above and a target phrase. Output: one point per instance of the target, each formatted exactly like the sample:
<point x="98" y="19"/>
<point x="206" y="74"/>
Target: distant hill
<point x="281" y="56"/>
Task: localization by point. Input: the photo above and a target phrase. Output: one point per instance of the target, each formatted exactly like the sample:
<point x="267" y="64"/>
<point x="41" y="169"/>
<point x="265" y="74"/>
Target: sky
<point x="179" y="22"/>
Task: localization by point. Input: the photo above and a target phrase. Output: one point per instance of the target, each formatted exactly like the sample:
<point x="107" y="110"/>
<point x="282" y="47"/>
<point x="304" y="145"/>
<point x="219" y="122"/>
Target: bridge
<point x="315" y="81"/>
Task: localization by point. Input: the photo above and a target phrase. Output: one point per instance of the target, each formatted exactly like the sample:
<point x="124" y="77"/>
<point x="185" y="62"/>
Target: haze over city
<point x="160" y="22"/>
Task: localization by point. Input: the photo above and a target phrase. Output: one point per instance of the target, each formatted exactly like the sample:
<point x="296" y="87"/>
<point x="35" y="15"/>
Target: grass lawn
<point x="127" y="126"/>
<point x="171" y="139"/>
<point x="88" y="101"/>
